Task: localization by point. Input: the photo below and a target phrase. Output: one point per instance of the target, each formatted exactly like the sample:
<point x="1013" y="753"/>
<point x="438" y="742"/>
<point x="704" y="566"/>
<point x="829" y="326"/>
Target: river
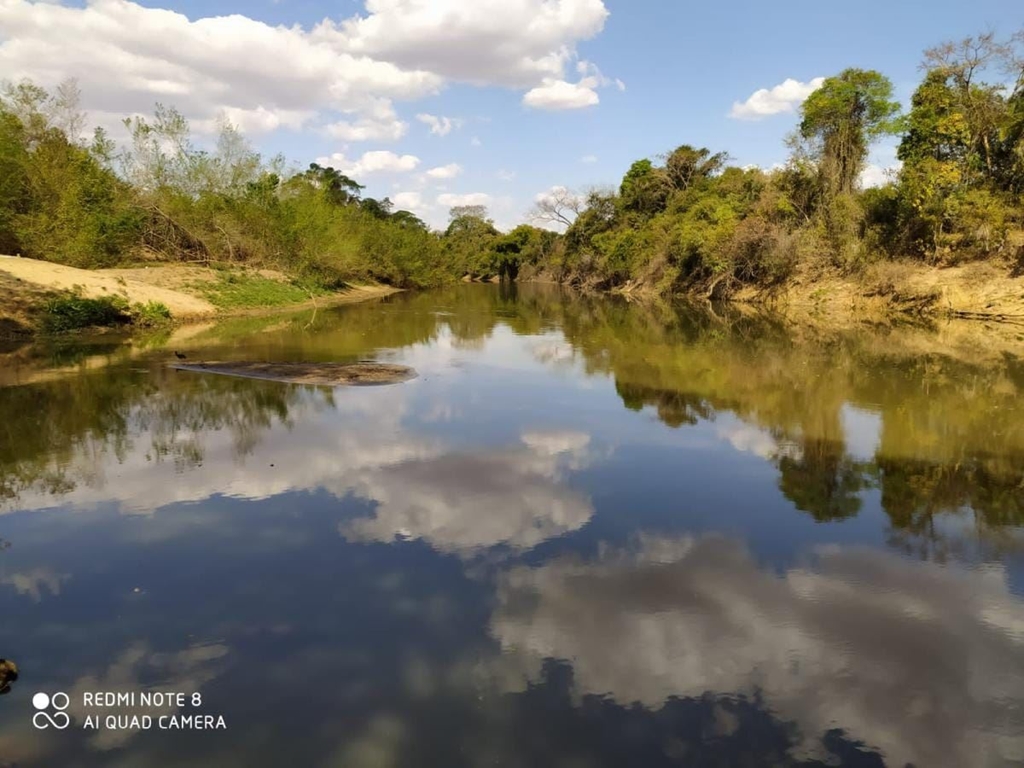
<point x="589" y="533"/>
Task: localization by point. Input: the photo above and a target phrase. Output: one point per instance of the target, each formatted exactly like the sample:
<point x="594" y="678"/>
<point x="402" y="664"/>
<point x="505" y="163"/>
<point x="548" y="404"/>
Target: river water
<point x="588" y="534"/>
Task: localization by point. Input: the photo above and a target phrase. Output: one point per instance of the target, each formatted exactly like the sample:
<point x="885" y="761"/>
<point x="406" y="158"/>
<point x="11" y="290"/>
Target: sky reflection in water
<point x="587" y="534"/>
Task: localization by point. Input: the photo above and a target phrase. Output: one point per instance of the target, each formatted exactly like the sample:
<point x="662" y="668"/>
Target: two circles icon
<point x="43" y="719"/>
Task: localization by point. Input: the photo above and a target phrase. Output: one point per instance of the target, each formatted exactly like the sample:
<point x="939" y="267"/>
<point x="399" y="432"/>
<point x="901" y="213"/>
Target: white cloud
<point x="558" y="94"/>
<point x="256" y="121"/>
<point x="505" y="42"/>
<point x="379" y="123"/>
<point x="475" y="142"/>
<point x="588" y="159"/>
<point x="126" y="56"/>
<point x="338" y="74"/>
<point x="473" y="198"/>
<point x="440" y="125"/>
<point x="504" y="175"/>
<point x="374" y="162"/>
<point x="449" y="171"/>
<point x="784" y="97"/>
<point x="410" y="201"/>
<point x="877" y="175"/>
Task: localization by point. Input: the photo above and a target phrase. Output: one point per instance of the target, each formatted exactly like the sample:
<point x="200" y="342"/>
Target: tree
<point x="960" y="64"/>
<point x="465" y="212"/>
<point x="408" y="219"/>
<point x="559" y="206"/>
<point x="469" y="240"/>
<point x="336" y="186"/>
<point x="13" y="179"/>
<point x="645" y="188"/>
<point x="379" y="209"/>
<point x="685" y="165"/>
<point x="841" y="120"/>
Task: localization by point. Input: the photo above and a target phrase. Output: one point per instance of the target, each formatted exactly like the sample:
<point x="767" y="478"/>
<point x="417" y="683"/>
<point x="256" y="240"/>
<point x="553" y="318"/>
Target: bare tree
<point x="559" y="205"/>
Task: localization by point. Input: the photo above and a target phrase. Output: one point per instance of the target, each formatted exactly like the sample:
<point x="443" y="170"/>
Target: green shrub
<point x="150" y="314"/>
<point x="72" y="312"/>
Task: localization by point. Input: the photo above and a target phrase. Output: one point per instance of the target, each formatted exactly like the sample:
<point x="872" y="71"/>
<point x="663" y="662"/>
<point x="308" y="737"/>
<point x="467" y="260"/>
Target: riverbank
<point x="983" y="290"/>
<point x="188" y="292"/>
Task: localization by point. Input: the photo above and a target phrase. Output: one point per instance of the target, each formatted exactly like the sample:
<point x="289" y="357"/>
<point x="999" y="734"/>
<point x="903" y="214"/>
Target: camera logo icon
<point x="43" y="719"/>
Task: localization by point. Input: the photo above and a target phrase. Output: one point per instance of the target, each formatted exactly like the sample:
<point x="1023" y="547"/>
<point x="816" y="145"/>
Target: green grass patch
<point x="238" y="290"/>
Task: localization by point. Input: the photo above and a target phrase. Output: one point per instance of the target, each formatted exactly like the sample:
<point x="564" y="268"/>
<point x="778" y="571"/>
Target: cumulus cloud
<point x="336" y="74"/>
<point x="784" y="97"/>
<point x="865" y="641"/>
<point x="379" y="123"/>
<point x="255" y="121"/>
<point x="449" y="171"/>
<point x="507" y="42"/>
<point x="473" y="198"/>
<point x="556" y="95"/>
<point x="127" y="56"/>
<point x="375" y="162"/>
<point x="439" y="125"/>
<point x="588" y="159"/>
<point x="504" y="175"/>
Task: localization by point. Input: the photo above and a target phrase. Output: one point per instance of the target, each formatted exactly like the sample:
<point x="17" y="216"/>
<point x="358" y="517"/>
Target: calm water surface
<point x="589" y="534"/>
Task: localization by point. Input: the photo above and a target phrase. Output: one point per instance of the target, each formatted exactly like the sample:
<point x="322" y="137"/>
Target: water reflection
<point x="917" y="662"/>
<point x="591" y="533"/>
<point x="465" y="503"/>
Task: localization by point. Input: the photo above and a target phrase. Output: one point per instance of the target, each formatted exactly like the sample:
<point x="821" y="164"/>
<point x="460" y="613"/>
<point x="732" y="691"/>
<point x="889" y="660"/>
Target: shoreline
<point x="26" y="285"/>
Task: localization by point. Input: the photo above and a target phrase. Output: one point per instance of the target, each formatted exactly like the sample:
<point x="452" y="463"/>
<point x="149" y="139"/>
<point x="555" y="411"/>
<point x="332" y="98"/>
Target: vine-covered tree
<point x="841" y="120"/>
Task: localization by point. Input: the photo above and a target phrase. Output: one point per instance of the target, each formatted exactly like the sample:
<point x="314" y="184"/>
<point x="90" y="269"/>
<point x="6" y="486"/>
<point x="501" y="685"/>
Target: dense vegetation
<point x="685" y="222"/>
<point x="691" y="222"/>
<point x="163" y="198"/>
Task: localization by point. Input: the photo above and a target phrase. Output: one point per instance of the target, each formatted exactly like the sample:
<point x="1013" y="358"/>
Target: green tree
<point x="645" y="188"/>
<point x="841" y="120"/>
<point x="686" y="165"/>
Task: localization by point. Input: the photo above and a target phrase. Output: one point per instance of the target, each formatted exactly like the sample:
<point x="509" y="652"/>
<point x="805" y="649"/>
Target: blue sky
<point x="517" y="79"/>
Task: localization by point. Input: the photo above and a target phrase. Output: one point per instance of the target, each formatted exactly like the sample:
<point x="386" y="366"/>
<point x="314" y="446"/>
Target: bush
<point x="762" y="253"/>
<point x="70" y="313"/>
<point x="150" y="314"/>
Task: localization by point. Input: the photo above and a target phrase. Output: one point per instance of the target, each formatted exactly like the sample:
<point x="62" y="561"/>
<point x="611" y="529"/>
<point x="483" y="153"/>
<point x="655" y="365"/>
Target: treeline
<point x="92" y="204"/>
<point x="686" y="221"/>
<point x="689" y="221"/>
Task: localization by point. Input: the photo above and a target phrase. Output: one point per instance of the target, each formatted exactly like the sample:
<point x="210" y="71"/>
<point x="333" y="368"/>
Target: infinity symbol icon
<point x="42" y="719"/>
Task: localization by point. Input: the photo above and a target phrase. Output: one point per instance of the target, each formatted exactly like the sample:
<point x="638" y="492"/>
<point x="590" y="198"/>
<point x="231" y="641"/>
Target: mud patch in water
<point x="321" y="374"/>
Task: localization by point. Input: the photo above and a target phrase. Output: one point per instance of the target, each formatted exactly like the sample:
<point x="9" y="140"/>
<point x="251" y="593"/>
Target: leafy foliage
<point x="694" y="224"/>
<point x="72" y="312"/>
<point x="166" y="198"/>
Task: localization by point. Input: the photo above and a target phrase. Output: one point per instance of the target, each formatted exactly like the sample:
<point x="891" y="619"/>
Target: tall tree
<point x="841" y="120"/>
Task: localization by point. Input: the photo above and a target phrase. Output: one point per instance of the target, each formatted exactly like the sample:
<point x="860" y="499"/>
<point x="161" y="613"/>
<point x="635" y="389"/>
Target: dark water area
<point x="587" y="534"/>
